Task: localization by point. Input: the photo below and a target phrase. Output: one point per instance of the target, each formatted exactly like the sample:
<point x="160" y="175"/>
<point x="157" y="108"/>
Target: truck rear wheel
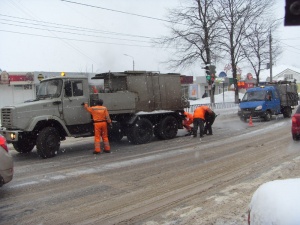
<point x="287" y="112"/>
<point x="25" y="144"/>
<point x="48" y="142"/>
<point x="141" y="132"/>
<point x="167" y="128"/>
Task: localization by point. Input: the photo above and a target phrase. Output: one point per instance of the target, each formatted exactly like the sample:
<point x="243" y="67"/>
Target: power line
<point x="72" y="39"/>
<point x="64" y="41"/>
<point x="78" y="28"/>
<point x="38" y="28"/>
<point x="118" y="11"/>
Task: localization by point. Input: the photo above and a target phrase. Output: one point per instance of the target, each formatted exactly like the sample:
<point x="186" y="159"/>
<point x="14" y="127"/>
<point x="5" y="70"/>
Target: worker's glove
<point x="82" y="103"/>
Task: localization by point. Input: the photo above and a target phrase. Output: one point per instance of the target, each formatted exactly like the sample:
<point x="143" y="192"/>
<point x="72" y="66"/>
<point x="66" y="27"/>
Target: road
<point x="180" y="181"/>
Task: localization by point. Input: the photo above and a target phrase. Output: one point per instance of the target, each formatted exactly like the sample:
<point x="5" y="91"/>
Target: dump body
<point x="141" y="104"/>
<point x="265" y="101"/>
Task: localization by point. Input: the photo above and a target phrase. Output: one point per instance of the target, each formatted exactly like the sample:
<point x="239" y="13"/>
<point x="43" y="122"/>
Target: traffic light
<point x="207" y="73"/>
<point x="212" y="69"/>
<point x="292" y="13"/>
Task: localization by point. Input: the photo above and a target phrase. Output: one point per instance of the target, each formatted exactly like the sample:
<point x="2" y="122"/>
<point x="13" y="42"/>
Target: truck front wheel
<point x="25" y="143"/>
<point x="48" y="142"/>
<point x="268" y="116"/>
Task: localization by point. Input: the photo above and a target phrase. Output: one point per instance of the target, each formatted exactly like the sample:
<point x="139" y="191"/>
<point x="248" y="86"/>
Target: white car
<point x="276" y="203"/>
<point x="6" y="163"/>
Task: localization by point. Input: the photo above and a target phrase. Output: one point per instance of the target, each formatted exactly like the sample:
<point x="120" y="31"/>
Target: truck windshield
<point x="49" y="89"/>
<point x="254" y="96"/>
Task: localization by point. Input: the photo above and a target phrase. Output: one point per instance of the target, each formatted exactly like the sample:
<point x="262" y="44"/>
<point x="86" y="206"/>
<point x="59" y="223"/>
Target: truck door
<point x="273" y="101"/>
<point x="74" y="95"/>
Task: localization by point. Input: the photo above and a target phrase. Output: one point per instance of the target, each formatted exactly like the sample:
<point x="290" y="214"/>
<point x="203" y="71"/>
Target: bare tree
<point x="194" y="34"/>
<point x="238" y="15"/>
<point x="256" y="46"/>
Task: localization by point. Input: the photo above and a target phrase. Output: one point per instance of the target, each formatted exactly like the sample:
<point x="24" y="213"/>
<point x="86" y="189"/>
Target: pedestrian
<point x="209" y="120"/>
<point x="188" y="120"/>
<point x="101" y="119"/>
<point x="199" y="119"/>
<point x="204" y="95"/>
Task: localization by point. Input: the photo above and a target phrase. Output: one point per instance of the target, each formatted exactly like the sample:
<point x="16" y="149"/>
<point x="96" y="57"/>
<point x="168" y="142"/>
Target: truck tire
<point x="244" y="119"/>
<point x="25" y="144"/>
<point x="115" y="132"/>
<point x="48" y="142"/>
<point x="167" y="128"/>
<point x="141" y="132"/>
<point x="287" y="112"/>
<point x="268" y="116"/>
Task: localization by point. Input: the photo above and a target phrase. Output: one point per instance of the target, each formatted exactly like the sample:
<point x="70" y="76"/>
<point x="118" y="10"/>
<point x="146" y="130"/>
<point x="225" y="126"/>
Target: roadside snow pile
<point x="276" y="202"/>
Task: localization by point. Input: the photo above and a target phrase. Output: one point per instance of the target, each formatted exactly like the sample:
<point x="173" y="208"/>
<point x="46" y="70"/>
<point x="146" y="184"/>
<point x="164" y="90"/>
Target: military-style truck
<point x="140" y="103"/>
<point x="271" y="99"/>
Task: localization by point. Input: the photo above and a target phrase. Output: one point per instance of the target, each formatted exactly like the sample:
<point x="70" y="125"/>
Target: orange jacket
<point x="99" y="113"/>
<point x="199" y="112"/>
<point x="188" y="116"/>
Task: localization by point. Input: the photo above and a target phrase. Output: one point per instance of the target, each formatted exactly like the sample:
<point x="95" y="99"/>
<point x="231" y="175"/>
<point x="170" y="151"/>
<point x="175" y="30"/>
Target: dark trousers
<point x="208" y="125"/>
<point x="198" y="123"/>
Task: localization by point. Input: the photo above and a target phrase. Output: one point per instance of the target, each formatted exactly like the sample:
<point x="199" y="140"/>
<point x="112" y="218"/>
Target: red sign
<point x="21" y="79"/>
<point x="186" y="79"/>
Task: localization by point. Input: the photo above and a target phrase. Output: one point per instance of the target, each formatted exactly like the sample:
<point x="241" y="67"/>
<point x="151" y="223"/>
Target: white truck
<point x="141" y="104"/>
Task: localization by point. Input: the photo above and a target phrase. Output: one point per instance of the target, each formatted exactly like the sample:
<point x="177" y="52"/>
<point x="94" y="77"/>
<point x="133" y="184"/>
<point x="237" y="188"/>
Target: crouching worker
<point x="101" y="119"/>
<point x="199" y="119"/>
<point x="188" y="120"/>
<point x="209" y="120"/>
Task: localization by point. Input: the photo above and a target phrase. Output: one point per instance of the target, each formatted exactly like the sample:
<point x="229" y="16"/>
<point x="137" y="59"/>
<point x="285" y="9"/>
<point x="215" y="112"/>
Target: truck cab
<point x="259" y="102"/>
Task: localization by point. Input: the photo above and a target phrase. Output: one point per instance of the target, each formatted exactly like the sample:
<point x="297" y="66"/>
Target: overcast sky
<point x="81" y="38"/>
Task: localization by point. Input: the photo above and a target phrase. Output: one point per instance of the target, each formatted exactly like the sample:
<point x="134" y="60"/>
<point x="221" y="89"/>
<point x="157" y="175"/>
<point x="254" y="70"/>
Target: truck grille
<point x="6" y="117"/>
<point x="248" y="110"/>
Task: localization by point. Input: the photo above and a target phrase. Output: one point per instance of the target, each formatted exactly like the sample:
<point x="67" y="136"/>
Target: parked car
<point x="276" y="202"/>
<point x="296" y="125"/>
<point x="6" y="163"/>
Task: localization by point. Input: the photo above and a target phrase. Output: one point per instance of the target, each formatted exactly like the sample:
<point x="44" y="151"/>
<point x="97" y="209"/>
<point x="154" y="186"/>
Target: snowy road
<point x="181" y="181"/>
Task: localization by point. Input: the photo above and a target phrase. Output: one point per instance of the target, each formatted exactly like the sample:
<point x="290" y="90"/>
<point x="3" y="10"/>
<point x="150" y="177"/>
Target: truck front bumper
<point x="10" y="135"/>
<point x="253" y="113"/>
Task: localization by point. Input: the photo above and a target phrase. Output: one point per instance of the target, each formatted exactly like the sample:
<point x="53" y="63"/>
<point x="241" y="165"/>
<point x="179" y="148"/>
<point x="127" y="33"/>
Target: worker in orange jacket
<point x="199" y="119"/>
<point x="101" y="119"/>
<point x="188" y="120"/>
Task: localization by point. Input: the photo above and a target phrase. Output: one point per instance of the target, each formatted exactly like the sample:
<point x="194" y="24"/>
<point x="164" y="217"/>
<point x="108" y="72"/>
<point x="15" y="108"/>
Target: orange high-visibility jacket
<point x="199" y="112"/>
<point x="99" y="113"/>
<point x="189" y="116"/>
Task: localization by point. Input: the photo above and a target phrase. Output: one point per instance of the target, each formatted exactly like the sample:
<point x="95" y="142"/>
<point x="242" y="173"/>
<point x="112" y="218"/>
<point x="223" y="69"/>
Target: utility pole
<point x="271" y="60"/>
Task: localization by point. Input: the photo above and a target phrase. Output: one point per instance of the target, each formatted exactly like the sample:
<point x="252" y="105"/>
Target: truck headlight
<point x="12" y="136"/>
<point x="258" y="107"/>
